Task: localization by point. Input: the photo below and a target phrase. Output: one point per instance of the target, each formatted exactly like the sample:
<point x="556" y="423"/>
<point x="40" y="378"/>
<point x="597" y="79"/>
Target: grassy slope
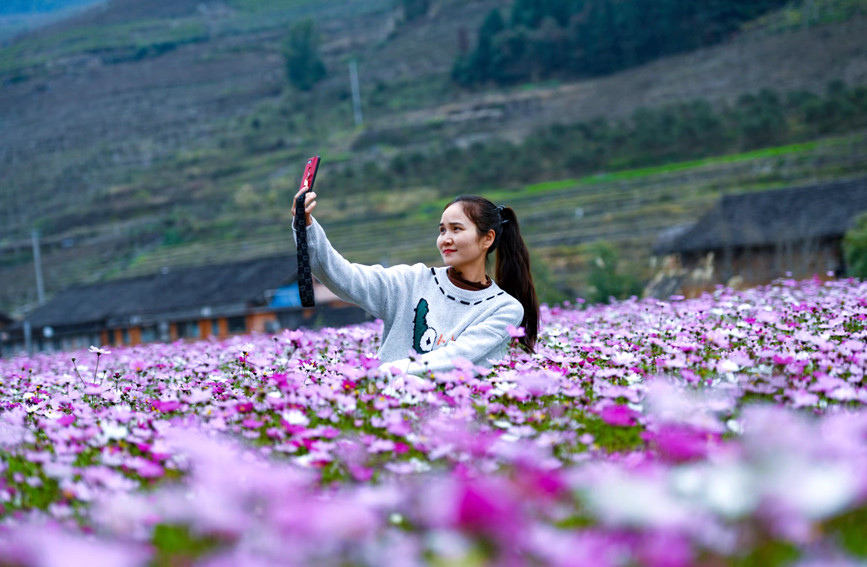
<point x="223" y="193"/>
<point x="629" y="208"/>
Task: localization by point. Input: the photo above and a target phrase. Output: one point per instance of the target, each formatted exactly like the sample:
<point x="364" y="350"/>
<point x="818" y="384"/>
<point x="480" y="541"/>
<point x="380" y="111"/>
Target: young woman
<point x="433" y="316"/>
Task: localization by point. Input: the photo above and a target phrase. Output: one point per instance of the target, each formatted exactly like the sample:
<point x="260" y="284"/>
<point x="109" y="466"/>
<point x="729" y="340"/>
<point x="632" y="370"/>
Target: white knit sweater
<point x="425" y="316"/>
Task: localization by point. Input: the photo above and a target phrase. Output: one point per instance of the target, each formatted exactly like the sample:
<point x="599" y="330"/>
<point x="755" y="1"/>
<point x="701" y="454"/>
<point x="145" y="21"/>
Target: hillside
<point x="21" y="16"/>
<point x="135" y="138"/>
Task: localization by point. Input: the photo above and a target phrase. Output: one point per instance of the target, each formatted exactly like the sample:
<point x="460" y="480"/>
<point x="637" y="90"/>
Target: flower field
<point x="724" y="430"/>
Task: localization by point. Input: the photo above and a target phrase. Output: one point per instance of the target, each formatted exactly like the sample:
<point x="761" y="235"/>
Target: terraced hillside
<point x="138" y="142"/>
<point x="630" y="209"/>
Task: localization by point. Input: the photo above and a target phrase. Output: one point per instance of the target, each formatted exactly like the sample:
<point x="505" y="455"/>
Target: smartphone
<point x="310" y="173"/>
<point x="307" y="180"/>
<point x="305" y="277"/>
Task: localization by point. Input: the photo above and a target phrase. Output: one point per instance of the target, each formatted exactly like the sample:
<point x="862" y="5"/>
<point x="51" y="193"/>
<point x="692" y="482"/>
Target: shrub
<point x="855" y="248"/>
<point x="304" y="68"/>
<point x="606" y="281"/>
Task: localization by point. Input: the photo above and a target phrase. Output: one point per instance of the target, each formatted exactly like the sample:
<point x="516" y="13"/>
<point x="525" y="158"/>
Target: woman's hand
<point x="309" y="205"/>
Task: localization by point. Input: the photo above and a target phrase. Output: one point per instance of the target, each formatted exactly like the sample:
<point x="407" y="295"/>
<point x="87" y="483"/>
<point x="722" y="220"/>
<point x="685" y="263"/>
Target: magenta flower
<point x="516" y="332"/>
<point x="166" y="406"/>
<point x="619" y="415"/>
<point x="679" y="442"/>
<point x="644" y="432"/>
<point x="48" y="546"/>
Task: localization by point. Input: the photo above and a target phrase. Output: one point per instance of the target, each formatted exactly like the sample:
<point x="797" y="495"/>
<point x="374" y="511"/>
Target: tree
<point x="599" y="40"/>
<point x="761" y="119"/>
<point x="478" y="65"/>
<point x="543" y="279"/>
<point x="602" y="36"/>
<point x="304" y="67"/>
<point x="605" y="279"/>
<point x="855" y="248"/>
<point x="527" y="13"/>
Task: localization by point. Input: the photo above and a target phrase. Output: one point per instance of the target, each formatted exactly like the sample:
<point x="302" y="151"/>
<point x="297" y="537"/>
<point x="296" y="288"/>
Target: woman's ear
<point x="488" y="239"/>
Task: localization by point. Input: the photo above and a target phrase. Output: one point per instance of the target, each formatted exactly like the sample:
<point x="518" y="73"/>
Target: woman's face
<point x="459" y="242"/>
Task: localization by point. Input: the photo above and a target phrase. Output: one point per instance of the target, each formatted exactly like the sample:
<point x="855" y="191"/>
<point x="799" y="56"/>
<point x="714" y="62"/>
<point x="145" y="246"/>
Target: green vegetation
<point x="39" y="6"/>
<point x="268" y="5"/>
<point x="568" y="38"/>
<point x="855" y="248"/>
<point x="414" y="9"/>
<point x="178" y="545"/>
<point x="807" y="13"/>
<point x="669" y="138"/>
<point x="222" y="191"/>
<point x="304" y="66"/>
<point x="29" y="483"/>
<point x="119" y="42"/>
<point x="849" y="531"/>
<point x="606" y="278"/>
<point x="546" y="287"/>
<point x="628" y="209"/>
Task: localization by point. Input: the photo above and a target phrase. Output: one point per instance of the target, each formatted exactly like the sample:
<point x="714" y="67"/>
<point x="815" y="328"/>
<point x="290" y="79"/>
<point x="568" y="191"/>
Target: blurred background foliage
<point x="651" y="136"/>
<point x="585" y="38"/>
<point x="855" y="248"/>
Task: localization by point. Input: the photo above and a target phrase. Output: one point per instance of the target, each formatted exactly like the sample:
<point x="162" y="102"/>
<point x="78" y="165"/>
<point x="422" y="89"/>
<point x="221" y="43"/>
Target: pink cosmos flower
<point x="619" y="415"/>
<point x="679" y="443"/>
<point x="516" y="332"/>
<point x="47" y="546"/>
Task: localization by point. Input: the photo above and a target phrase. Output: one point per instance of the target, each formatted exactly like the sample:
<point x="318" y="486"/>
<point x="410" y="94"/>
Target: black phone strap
<point x="305" y="276"/>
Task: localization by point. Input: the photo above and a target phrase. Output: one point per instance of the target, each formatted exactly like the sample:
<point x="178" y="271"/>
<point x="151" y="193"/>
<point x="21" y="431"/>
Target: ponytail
<point x="514" y="276"/>
<point x="512" y="271"/>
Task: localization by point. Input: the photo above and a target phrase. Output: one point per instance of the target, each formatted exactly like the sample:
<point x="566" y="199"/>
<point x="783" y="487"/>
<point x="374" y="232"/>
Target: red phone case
<point x="310" y="173"/>
<point x="305" y="278"/>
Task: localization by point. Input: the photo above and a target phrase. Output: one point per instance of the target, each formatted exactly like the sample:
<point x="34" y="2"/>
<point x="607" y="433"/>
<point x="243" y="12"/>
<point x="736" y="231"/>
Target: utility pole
<point x="356" y="92"/>
<point x="37" y="263"/>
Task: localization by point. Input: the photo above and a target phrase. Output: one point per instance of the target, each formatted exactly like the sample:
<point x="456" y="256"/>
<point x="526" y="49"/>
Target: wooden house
<point x="258" y="295"/>
<point x="753" y="238"/>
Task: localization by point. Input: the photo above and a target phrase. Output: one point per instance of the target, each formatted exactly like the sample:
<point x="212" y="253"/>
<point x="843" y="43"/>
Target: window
<point x="188" y="329"/>
<point x="237" y="324"/>
<point x="148" y="334"/>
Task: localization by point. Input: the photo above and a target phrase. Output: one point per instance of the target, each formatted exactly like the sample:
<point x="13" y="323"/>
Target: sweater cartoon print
<point x="428" y="322"/>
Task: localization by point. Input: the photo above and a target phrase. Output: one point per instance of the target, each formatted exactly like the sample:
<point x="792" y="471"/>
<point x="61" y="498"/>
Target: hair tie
<point x="500" y="210"/>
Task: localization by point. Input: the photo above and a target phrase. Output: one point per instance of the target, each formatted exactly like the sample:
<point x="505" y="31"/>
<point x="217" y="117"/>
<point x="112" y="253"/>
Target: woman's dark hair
<point x="513" y="259"/>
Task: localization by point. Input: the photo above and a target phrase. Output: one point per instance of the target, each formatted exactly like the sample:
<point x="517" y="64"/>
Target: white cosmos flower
<point x="295" y="417"/>
<point x="625" y="499"/>
<point x="113" y="430"/>
<point x="816" y="490"/>
<point x="728" y="489"/>
<point x="52" y="413"/>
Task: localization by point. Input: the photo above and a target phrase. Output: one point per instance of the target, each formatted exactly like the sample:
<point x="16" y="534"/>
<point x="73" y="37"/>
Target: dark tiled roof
<point x="175" y="290"/>
<point x="769" y="218"/>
